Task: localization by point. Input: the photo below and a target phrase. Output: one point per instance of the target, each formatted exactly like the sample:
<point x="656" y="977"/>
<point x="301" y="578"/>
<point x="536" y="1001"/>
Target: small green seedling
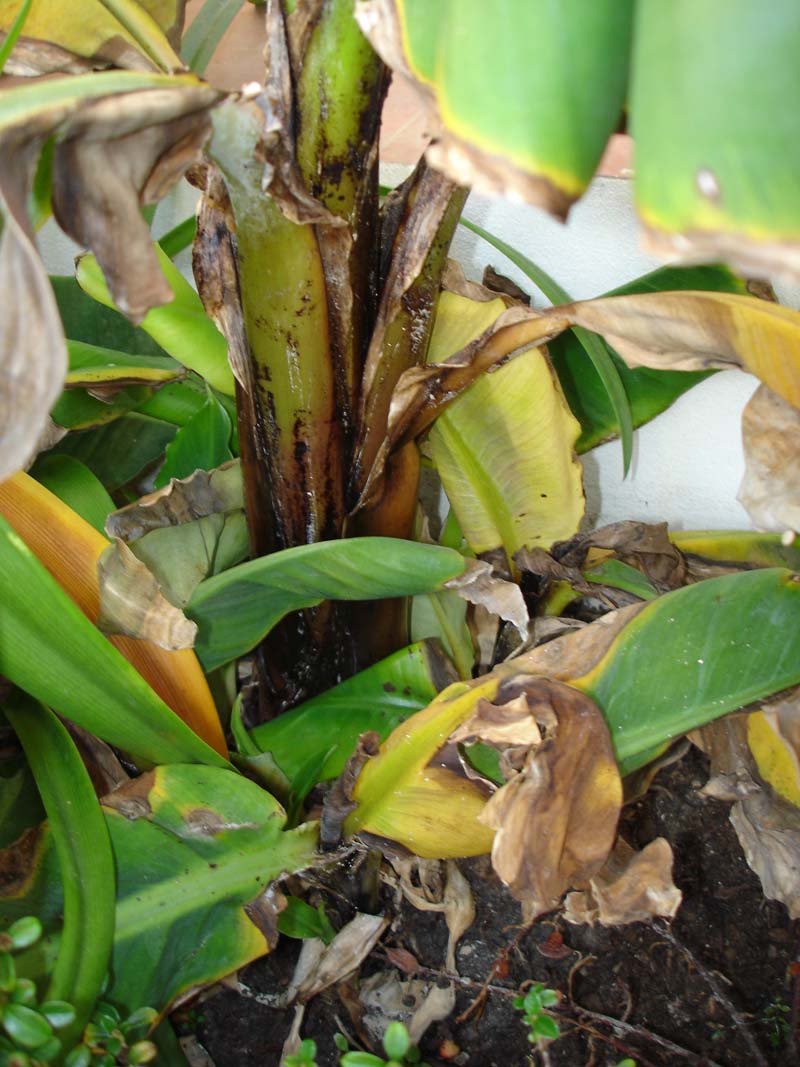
<point x="776" y="1018"/>
<point x="397" y="1046"/>
<point x="29" y="1029"/>
<point x="542" y="1028"/>
<point x="306" y="1055"/>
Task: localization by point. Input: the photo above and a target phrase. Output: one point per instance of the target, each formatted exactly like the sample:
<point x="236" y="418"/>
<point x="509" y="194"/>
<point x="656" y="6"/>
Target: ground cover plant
<point x="238" y="642"/>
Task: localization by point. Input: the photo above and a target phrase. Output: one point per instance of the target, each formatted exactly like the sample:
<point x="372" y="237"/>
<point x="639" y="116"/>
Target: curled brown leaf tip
<point x="645" y="546"/>
<point x="556" y="817"/>
<point x="631" y="887"/>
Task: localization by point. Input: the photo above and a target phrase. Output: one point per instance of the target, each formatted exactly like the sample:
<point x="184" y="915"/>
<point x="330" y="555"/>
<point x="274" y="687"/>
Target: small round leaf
<point x="80" y="1056"/>
<point x="26" y="1026"/>
<point x="59" y="1013"/>
<point x="25" y="932"/>
<point x="396" y="1041"/>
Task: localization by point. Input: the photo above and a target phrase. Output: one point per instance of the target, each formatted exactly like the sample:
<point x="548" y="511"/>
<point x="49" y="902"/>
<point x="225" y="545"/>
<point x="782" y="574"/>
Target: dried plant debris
<point x="630" y="887"/>
<point x="770" y="488"/>
<point x="556" y="817"/>
<point x="746" y="766"/>
<point x="418" y="1003"/>
<point x="321" y="966"/>
<point x="454" y="900"/>
<point x="645" y="546"/>
<point x="132" y="602"/>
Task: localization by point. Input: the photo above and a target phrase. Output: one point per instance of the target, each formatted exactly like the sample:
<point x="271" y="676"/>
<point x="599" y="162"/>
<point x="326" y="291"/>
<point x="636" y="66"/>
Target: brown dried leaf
<point x="770" y="489"/>
<point x="282" y="178"/>
<point x="33" y="355"/>
<point x="115" y="155"/>
<point x="418" y="1003"/>
<point x="478" y="585"/>
<point x="700" y="331"/>
<point x="455" y="901"/>
<point x="214" y="492"/>
<point x="631" y="887"/>
<point x="404" y="960"/>
<point x="132" y="602"/>
<point x="556" y="819"/>
<point x="339" y="803"/>
<point x="341" y="957"/>
<point x="768" y="829"/>
<point x="642" y="545"/>
<point x="216" y="273"/>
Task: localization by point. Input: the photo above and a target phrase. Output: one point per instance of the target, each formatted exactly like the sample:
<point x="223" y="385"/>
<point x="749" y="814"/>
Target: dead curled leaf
<point x="699" y="331"/>
<point x="478" y="585"/>
<point x="770" y="488"/>
<point x="116" y="154"/>
<point x="768" y="829"/>
<point x="642" y="545"/>
<point x="556" y="818"/>
<point x="33" y="354"/>
<point x="630" y="887"/>
<point x="455" y="902"/>
<point x="132" y="602"/>
<point x="319" y="966"/>
<point x="183" y="500"/>
<point x="417" y="1002"/>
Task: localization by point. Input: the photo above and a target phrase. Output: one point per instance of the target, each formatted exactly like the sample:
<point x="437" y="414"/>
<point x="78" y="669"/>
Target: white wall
<point x="687" y="462"/>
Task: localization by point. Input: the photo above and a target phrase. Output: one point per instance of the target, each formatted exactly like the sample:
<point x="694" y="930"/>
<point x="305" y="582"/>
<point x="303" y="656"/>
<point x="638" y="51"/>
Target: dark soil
<point x="720" y="985"/>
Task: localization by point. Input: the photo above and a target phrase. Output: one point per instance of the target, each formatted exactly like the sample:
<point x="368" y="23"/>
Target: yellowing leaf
<point x="430" y="809"/>
<point x="775" y="755"/>
<point x="505" y="449"/>
<point x="69" y="548"/>
<point x="700" y="331"/>
<point x="85" y="33"/>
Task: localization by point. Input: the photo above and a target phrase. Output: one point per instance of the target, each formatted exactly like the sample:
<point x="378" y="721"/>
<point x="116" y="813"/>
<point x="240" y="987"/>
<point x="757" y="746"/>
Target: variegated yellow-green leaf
<point x="777" y="758"/>
<point x="655" y="671"/>
<point x="195" y="850"/>
<point x="505" y="448"/>
<point x="739" y="546"/>
<point x="713" y="178"/>
<point x="324" y="730"/>
<point x="121" y="33"/>
<point x="528" y="92"/>
<point x="181" y="327"/>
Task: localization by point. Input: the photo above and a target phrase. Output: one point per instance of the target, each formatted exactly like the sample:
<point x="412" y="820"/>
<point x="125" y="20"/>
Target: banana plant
<point x="328" y="346"/>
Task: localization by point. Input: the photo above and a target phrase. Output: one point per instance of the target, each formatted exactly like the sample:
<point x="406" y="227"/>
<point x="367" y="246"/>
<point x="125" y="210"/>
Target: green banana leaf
<point x="181" y="327"/>
<point x="695" y="654"/>
<point x="444" y="616"/>
<point x="86" y="320"/>
<point x="50" y="649"/>
<point x="206" y="31"/>
<point x="649" y="391"/>
<point x="73" y="482"/>
<point x="120" y="450"/>
<point x="202" y="444"/>
<point x="709" y="166"/>
<point x="80" y="838"/>
<point x="619" y="575"/>
<point x="529" y="89"/>
<point x="91" y="366"/>
<point x="235" y="610"/>
<point x="326" y="728"/>
<point x="195" y="849"/>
